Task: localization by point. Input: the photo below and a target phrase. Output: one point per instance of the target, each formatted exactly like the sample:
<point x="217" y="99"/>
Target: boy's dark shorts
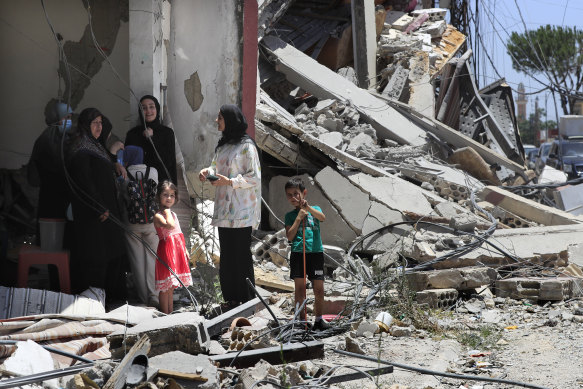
<point x="314" y="265"/>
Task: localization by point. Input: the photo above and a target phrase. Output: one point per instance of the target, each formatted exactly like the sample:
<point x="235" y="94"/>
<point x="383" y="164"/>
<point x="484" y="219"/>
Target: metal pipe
<point x="263" y="301"/>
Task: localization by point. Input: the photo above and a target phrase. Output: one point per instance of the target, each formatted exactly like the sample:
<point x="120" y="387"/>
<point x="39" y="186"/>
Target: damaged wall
<point x="204" y="72"/>
<point x="30" y="64"/>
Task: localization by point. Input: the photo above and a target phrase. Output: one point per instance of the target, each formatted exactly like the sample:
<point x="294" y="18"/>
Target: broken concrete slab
<point x="459" y="279"/>
<point x="303" y="71"/>
<point x="180" y="362"/>
<point x="455" y="138"/>
<point x="336" y="231"/>
<point x="352" y="203"/>
<point x="286" y="353"/>
<point x="393" y="192"/>
<point x="545" y="289"/>
<point x="332" y="139"/>
<point x="184" y="331"/>
<point x="527" y="208"/>
<point x="216" y="325"/>
<point x="547" y="246"/>
<point x="421" y="93"/>
<point x="379" y="216"/>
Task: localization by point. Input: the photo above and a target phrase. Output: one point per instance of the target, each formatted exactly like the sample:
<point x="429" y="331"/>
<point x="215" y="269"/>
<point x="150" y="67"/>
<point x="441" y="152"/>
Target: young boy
<point x="305" y="218"/>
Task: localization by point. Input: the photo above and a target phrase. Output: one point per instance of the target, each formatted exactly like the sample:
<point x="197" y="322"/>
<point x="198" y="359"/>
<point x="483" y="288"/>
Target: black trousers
<point x="236" y="264"/>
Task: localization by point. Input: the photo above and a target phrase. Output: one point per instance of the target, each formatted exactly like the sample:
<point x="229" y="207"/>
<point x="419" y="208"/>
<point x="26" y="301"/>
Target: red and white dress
<point x="172" y="250"/>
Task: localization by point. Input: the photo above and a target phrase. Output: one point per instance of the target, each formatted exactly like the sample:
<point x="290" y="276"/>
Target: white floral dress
<point x="240" y="205"/>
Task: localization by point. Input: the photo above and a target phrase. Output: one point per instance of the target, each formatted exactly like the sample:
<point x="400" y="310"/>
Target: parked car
<point x="531" y="157"/>
<point x="567" y="155"/>
<point x="541" y="157"/>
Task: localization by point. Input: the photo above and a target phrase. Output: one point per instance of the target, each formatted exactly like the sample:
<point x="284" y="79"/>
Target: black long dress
<point x="99" y="245"/>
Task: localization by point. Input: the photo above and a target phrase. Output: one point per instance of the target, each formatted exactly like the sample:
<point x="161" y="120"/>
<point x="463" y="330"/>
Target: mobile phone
<point x="212" y="177"/>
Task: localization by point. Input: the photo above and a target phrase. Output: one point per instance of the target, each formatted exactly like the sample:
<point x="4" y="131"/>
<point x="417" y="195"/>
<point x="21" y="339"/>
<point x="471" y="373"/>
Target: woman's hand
<point x="121" y="171"/>
<point x="148" y="132"/>
<point x="116" y="146"/>
<point x="222" y="181"/>
<point x="103" y="217"/>
<point x="202" y="174"/>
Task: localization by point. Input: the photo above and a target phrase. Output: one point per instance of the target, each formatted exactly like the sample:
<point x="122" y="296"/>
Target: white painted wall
<point x="28" y="73"/>
<point x="204" y="38"/>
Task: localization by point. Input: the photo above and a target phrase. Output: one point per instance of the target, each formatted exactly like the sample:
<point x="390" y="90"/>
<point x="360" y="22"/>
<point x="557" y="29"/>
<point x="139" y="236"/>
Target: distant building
<point x="521" y="101"/>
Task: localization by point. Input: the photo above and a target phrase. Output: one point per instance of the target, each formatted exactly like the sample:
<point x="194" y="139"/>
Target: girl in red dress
<point x="171" y="248"/>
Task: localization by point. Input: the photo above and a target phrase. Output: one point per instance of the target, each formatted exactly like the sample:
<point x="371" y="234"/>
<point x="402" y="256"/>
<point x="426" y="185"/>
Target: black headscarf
<point x="84" y="141"/>
<point x="235" y="126"/>
<point x="141" y="112"/>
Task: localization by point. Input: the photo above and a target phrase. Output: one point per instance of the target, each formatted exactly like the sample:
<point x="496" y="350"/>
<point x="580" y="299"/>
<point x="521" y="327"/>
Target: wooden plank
<point x="179" y="375"/>
<point x="118" y="378"/>
<point x="276" y="355"/>
<point x="270" y="281"/>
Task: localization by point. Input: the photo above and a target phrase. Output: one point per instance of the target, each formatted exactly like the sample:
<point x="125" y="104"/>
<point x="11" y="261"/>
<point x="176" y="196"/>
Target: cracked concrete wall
<point x="204" y="72"/>
<point x="30" y="68"/>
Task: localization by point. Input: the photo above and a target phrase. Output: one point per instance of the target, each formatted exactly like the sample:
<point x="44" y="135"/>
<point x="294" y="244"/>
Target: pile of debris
<point x="415" y="176"/>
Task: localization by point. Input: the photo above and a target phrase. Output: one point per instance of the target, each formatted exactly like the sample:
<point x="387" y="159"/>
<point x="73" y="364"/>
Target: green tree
<point x="528" y="127"/>
<point x="556" y="54"/>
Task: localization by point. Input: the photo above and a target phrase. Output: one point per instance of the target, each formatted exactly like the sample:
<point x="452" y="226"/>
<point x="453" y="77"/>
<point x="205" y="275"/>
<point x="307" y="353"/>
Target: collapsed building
<point x="417" y="175"/>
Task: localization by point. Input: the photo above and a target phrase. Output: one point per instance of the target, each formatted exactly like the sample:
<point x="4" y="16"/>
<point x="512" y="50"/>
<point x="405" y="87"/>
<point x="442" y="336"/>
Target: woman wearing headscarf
<point x="162" y="137"/>
<point x="237" y="208"/>
<point x="99" y="254"/>
<point x="45" y="168"/>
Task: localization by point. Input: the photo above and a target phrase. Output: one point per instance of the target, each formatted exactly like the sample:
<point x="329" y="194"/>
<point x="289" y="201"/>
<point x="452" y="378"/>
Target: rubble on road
<point x="429" y="214"/>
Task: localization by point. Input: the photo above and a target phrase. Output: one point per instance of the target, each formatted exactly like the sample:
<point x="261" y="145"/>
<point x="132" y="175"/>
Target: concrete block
<point x="352" y="203"/>
<point x="400" y="331"/>
<point x="177" y="361"/>
<point x="360" y="143"/>
<point x="553" y="289"/>
<point x="331" y="124"/>
<point x="435" y="29"/>
<point x="434" y="14"/>
<point x="398" y="20"/>
<point x="335" y="230"/>
<point x="332" y="139"/>
<point x="179" y="332"/>
<point x="437" y="298"/>
<point x="459" y="279"/>
<point x="393" y="192"/>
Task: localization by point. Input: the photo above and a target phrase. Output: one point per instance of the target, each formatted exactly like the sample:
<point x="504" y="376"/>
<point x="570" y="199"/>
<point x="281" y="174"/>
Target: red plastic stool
<point x="33" y="255"/>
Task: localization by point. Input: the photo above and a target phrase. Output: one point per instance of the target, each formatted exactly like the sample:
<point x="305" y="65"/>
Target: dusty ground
<point x="545" y="349"/>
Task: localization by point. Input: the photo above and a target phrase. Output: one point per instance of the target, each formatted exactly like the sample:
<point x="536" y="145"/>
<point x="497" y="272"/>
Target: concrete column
<point x="364" y="41"/>
<point x="147" y="55"/>
<point x="249" y="63"/>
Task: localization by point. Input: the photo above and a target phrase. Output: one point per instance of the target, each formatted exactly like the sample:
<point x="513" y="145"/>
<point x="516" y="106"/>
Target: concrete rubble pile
<point x="413" y="182"/>
<point x="403" y="152"/>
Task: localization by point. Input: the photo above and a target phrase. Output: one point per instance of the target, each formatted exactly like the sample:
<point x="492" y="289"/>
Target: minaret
<point x="521" y="101"/>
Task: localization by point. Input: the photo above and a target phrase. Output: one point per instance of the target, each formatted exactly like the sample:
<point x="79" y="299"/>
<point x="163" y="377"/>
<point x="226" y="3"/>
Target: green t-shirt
<point x="313" y="239"/>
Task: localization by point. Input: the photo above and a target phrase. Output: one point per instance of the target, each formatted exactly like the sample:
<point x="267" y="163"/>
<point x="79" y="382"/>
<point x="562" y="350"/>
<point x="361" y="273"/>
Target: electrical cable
<point x="82" y="195"/>
<point x="438" y="373"/>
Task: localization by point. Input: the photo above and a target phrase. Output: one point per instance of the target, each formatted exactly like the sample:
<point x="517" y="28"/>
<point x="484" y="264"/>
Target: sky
<point x="499" y="18"/>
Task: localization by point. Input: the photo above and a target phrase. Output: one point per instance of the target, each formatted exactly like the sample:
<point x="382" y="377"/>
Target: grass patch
<point x="484" y="337"/>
